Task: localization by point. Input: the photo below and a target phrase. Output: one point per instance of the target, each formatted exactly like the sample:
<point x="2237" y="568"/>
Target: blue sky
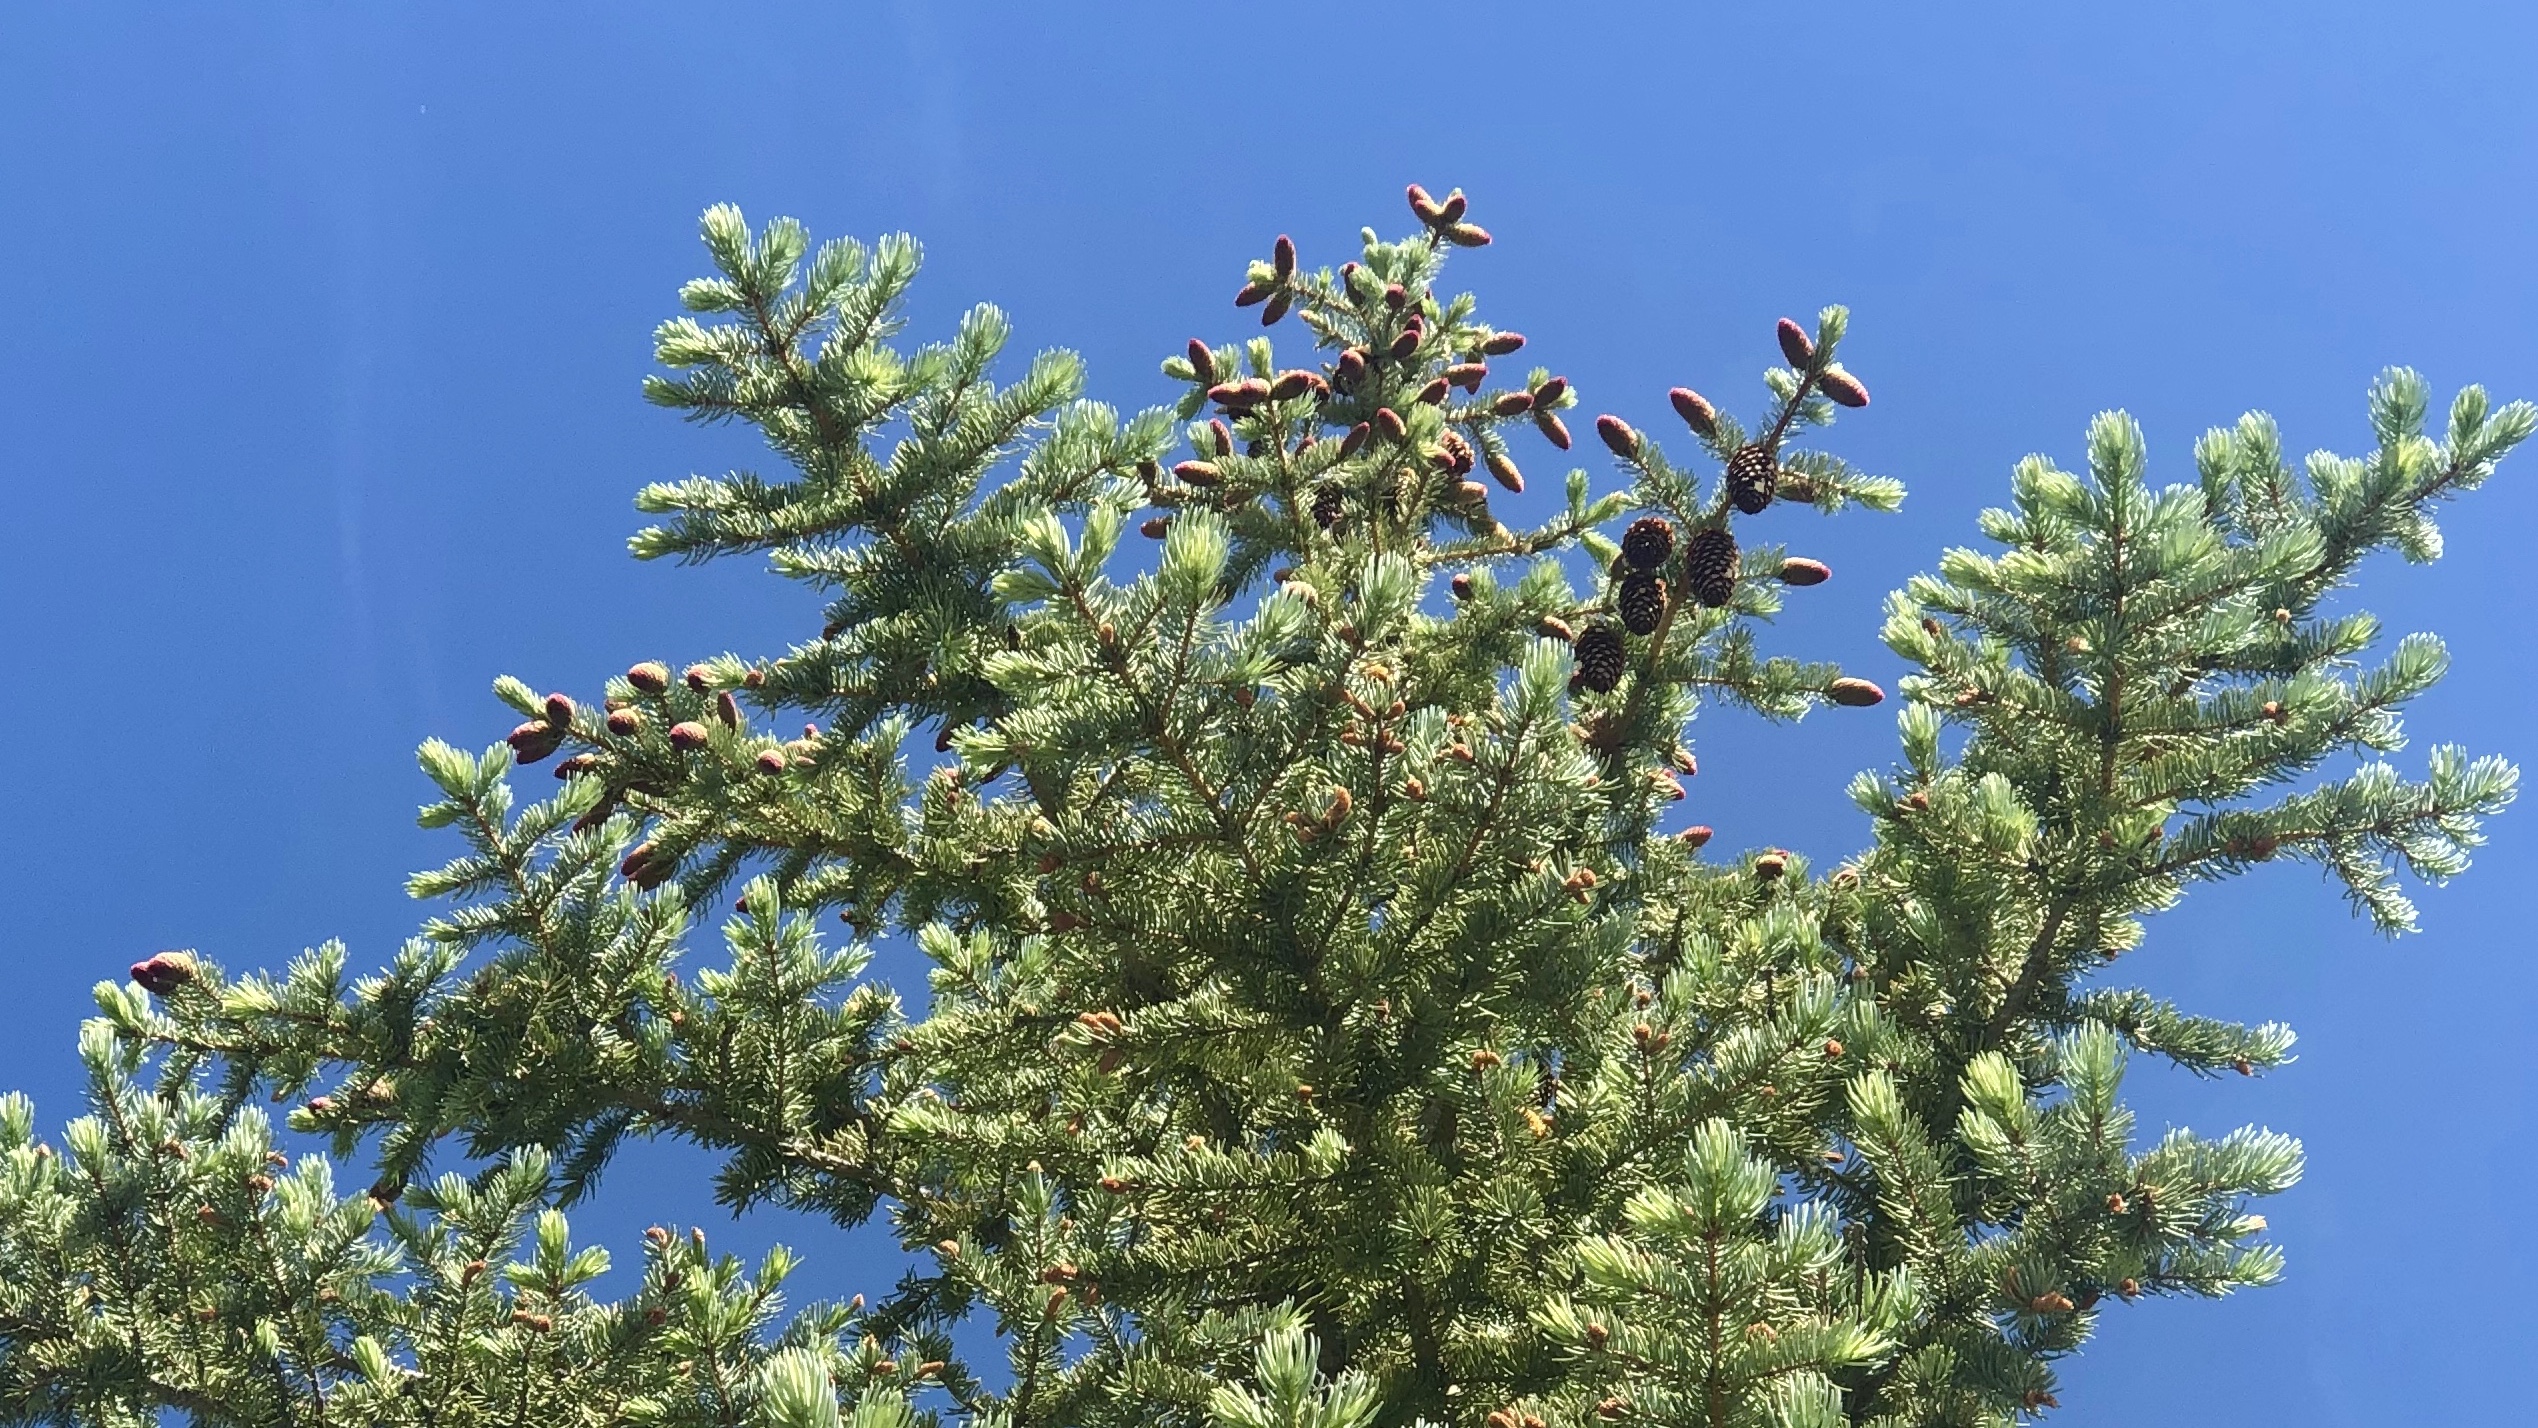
<point x="323" y="411"/>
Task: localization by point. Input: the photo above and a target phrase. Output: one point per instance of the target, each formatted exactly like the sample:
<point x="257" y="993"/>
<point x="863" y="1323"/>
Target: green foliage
<point x="1322" y="1031"/>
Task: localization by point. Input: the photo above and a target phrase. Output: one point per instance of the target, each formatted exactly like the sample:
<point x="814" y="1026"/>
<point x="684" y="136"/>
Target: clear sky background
<point x="322" y="411"/>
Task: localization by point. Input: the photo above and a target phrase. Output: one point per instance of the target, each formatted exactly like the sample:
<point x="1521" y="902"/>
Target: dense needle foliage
<point x="1330" y="1020"/>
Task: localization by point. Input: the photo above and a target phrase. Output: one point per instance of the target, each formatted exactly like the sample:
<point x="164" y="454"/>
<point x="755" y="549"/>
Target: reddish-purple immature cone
<point x="533" y="741"/>
<point x="1795" y="344"/>
<point x="1854" y="693"/>
<point x="1696" y="411"/>
<point x="1618" y="435"/>
<point x="164" y="972"/>
<point x="1843" y="388"/>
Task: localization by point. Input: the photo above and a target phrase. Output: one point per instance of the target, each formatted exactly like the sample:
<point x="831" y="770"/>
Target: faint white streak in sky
<point x="327" y="158"/>
<point x="934" y="85"/>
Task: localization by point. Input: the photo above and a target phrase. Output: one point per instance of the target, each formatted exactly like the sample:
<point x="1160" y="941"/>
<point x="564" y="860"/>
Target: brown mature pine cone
<point x="1601" y="657"/>
<point x="1647" y="542"/>
<point x="1753" y="477"/>
<point x="1710" y="564"/>
<point x="1642" y="601"/>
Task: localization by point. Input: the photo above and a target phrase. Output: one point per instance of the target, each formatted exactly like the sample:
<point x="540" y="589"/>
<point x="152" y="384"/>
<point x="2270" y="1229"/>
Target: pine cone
<point x="1797" y="570"/>
<point x="1503" y="468"/>
<point x="1600" y="657"/>
<point x="1282" y="256"/>
<point x="1295" y="383"/>
<point x="1643" y="602"/>
<point x="1512" y="404"/>
<point x="1696" y="411"/>
<point x="164" y="972"/>
<point x="1795" y="344"/>
<point x="1326" y="505"/>
<point x="1647" y="543"/>
<point x="689" y="736"/>
<point x="625" y="723"/>
<point x="1842" y="387"/>
<point x="1461" y="585"/>
<point x="1854" y="693"/>
<point x="1239" y="396"/>
<point x="1203" y="363"/>
<point x="533" y="741"/>
<point x="1753" y="476"/>
<point x="1710" y="562"/>
<point x="1552" y="427"/>
<point x="651" y="676"/>
<point x="1618" y="436"/>
<point x="1350" y="371"/>
<point x="1502" y="343"/>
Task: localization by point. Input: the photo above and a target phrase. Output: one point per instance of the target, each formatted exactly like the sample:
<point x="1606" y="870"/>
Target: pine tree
<point x="1324" y="1026"/>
